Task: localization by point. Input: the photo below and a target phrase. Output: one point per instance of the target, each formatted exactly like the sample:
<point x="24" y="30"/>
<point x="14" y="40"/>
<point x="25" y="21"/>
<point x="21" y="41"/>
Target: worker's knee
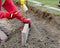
<point x="2" y="14"/>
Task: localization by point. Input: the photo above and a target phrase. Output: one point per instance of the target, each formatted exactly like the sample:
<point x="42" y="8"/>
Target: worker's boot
<point x="10" y="6"/>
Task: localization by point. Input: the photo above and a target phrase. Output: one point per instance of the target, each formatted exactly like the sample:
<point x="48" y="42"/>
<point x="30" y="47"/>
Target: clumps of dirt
<point x="44" y="15"/>
<point x="47" y="16"/>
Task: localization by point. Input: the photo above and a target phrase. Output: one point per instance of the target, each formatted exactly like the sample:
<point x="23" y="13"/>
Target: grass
<point x="48" y="2"/>
<point x="51" y="11"/>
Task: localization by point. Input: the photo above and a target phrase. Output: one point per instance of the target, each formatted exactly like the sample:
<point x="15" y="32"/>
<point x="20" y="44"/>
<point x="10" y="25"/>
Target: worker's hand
<point x="27" y="21"/>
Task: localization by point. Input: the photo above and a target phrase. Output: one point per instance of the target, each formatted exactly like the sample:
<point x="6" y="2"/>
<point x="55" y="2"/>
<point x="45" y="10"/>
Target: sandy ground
<point x="43" y="34"/>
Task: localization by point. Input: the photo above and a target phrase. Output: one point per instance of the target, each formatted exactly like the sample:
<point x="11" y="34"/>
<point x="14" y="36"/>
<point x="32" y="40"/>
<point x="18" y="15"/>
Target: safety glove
<point x="27" y="21"/>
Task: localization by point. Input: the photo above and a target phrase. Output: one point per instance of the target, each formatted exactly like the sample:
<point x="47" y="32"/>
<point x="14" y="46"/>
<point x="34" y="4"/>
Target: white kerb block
<point x="25" y="33"/>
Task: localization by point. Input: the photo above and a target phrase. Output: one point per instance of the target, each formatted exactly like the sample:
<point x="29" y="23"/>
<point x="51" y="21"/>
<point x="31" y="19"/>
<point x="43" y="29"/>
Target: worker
<point x="12" y="11"/>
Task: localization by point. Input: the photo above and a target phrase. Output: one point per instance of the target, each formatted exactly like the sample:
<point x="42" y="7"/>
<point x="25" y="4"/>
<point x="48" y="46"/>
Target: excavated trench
<point x="44" y="33"/>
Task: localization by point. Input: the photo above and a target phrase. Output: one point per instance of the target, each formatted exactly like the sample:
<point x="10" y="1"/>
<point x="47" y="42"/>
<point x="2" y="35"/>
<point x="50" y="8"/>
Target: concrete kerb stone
<point x="25" y="34"/>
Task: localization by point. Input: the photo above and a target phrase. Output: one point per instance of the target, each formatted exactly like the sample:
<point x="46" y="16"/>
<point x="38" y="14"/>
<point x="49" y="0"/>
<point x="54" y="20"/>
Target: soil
<point x="44" y="33"/>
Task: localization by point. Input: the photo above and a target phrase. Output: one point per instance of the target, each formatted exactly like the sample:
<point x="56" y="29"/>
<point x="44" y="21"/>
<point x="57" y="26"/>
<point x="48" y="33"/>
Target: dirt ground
<point x="44" y="33"/>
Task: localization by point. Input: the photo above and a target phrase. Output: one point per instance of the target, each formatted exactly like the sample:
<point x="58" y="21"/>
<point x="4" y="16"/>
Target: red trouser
<point x="11" y="8"/>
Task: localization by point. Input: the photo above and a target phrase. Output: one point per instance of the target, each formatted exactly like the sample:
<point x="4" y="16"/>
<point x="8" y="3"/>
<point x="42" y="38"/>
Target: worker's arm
<point x="14" y="15"/>
<point x="20" y="17"/>
<point x="10" y="6"/>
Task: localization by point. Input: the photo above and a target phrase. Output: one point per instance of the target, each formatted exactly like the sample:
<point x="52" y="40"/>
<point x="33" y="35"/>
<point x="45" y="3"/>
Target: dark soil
<point x="44" y="33"/>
